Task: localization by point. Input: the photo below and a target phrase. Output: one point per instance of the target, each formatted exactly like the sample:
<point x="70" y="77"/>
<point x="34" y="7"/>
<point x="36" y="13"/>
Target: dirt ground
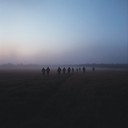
<point x="81" y="100"/>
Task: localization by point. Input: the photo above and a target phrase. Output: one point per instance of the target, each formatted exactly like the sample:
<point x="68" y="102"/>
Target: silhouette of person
<point x="64" y="70"/>
<point x="84" y="69"/>
<point x="59" y="70"/>
<point x="79" y="69"/>
<point x="48" y="71"/>
<point x="76" y="69"/>
<point x="43" y="71"/>
<point x="93" y="69"/>
<point x="69" y="69"/>
<point x="72" y="70"/>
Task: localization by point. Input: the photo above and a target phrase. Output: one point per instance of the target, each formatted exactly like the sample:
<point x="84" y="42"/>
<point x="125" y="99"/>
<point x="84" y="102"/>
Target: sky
<point x="63" y="31"/>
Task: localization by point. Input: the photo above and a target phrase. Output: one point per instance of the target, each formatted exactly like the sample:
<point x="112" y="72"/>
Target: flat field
<point x="81" y="100"/>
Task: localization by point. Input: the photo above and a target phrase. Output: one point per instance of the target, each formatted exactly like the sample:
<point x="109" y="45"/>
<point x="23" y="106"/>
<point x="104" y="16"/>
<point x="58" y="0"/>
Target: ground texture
<point x="81" y="100"/>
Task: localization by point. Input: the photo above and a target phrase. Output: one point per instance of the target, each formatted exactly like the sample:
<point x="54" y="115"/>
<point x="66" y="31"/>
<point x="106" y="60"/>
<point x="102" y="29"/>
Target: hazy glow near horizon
<point x="63" y="31"/>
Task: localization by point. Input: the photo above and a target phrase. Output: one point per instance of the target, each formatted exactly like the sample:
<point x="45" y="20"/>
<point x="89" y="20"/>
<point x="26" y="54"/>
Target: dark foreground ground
<point x="91" y="100"/>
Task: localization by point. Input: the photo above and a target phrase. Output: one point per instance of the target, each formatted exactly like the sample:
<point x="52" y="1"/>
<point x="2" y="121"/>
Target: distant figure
<point x="84" y="69"/>
<point x="93" y="69"/>
<point x="69" y="69"/>
<point x="59" y="70"/>
<point x="72" y="70"/>
<point x="43" y="71"/>
<point x="79" y="69"/>
<point x="76" y="69"/>
<point x="64" y="70"/>
<point x="48" y="71"/>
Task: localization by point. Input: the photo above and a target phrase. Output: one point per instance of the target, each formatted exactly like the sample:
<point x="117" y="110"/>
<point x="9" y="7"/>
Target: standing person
<point x="93" y="69"/>
<point x="72" y="70"/>
<point x="76" y="69"/>
<point x="43" y="71"/>
<point x="84" y="69"/>
<point x="64" y="70"/>
<point x="48" y="71"/>
<point x="69" y="69"/>
<point x="79" y="69"/>
<point x="59" y="70"/>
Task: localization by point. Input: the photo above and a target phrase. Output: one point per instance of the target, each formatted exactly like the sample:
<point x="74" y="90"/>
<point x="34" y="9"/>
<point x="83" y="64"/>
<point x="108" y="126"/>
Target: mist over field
<point x="88" y="67"/>
<point x="64" y="63"/>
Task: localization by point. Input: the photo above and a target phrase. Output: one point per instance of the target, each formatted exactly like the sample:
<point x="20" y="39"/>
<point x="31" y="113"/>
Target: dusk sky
<point x="63" y="31"/>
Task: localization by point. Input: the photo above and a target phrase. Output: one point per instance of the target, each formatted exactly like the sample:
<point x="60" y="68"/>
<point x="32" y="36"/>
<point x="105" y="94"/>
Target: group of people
<point x="69" y="70"/>
<point x="64" y="70"/>
<point x="47" y="70"/>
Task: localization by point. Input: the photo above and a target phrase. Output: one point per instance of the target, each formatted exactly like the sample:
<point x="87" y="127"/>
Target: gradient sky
<point x="63" y="31"/>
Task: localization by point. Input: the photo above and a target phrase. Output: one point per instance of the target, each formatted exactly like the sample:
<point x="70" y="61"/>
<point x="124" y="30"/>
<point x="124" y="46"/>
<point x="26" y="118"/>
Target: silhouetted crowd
<point x="47" y="70"/>
<point x="64" y="70"/>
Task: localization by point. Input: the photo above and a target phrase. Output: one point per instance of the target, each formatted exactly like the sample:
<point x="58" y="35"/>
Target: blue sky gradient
<point x="63" y="31"/>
